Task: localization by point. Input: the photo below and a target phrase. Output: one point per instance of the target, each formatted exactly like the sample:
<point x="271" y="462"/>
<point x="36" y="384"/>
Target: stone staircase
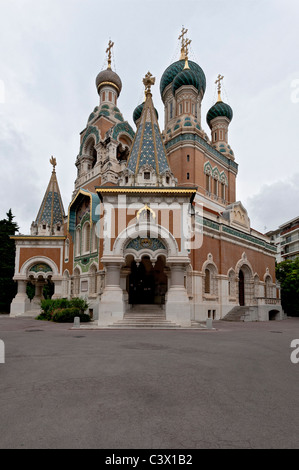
<point x="144" y="316"/>
<point x="238" y="314"/>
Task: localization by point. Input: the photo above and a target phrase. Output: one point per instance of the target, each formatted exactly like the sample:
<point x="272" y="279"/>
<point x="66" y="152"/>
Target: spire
<point x="220" y="77"/>
<point x="51" y="212"/>
<point x="148" y="149"/>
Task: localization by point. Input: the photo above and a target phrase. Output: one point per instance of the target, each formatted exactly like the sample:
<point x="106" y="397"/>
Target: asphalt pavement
<point x="233" y="387"/>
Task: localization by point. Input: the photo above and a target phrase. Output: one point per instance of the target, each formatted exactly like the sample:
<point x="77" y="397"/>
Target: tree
<point x="287" y="273"/>
<point x="8" y="287"/>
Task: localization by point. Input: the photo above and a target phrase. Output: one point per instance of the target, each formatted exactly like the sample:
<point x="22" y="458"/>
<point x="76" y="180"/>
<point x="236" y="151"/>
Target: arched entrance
<point x="147" y="282"/>
<point x="241" y="288"/>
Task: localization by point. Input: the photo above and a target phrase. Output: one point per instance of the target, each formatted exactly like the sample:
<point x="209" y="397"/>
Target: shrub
<point x="67" y="315"/>
<point x="79" y="303"/>
<point x="63" y="310"/>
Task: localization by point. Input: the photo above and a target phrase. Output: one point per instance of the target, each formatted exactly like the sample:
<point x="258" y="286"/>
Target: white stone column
<point x="111" y="306"/>
<point x="35" y="303"/>
<point x="123" y="284"/>
<point x="178" y="308"/>
<point x="21" y="302"/>
<point x="57" y="289"/>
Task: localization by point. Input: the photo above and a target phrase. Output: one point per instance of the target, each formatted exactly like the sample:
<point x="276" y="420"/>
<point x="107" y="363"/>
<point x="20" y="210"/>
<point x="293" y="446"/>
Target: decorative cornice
<point x="196" y="138"/>
<point x="37" y="237"/>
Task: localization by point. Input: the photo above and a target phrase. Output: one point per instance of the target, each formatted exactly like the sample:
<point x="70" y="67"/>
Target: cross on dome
<point x="108" y="51"/>
<point x="220" y="77"/>
<point x="181" y="37"/>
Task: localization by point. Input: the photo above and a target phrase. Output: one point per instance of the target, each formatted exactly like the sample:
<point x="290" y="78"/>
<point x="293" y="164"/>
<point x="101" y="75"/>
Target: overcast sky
<point x="52" y="50"/>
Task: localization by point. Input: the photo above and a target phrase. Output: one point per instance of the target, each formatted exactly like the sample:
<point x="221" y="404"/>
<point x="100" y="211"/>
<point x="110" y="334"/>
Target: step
<point x="238" y="313"/>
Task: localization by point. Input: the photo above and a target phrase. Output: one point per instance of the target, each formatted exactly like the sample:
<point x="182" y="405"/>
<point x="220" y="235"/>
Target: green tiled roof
<point x="219" y="109"/>
<point x="174" y="69"/>
<point x="148" y="147"/>
<point x="51" y="210"/>
<point x="188" y="77"/>
<point x="138" y="111"/>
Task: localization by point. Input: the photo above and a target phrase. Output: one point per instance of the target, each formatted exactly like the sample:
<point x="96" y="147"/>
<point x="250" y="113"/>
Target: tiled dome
<point x="188" y="77"/>
<point x="108" y="77"/>
<point x="219" y="109"/>
<point x="174" y="69"/>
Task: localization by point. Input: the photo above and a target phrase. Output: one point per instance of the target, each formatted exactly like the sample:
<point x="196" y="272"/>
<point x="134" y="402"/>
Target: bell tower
<point x="194" y="157"/>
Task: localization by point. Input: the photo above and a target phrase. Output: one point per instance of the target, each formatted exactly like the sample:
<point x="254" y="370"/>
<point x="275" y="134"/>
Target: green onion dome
<point x="138" y="111"/>
<point x="188" y="77"/>
<point x="108" y="77"/>
<point x="219" y="109"/>
<point x="174" y="69"/>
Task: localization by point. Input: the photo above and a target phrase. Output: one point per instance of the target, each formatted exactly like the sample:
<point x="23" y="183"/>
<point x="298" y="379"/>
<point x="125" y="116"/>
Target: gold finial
<point x="53" y="162"/>
<point x="181" y="37"/>
<point x="148" y="81"/>
<point x="220" y="77"/>
<point x="187" y="43"/>
<point x="108" y="51"/>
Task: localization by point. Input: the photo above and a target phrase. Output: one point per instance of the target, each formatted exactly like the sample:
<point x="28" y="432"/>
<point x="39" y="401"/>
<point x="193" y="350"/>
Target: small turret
<point x="50" y="218"/>
<point x="219" y="117"/>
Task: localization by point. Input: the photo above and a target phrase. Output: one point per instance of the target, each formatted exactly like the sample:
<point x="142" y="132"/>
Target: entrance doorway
<point x="147" y="284"/>
<point x="241" y="288"/>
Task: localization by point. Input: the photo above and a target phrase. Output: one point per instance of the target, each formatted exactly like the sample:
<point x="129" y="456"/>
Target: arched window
<point x="268" y="288"/>
<point x="86" y="237"/>
<point x="92" y="280"/>
<point x="76" y="283"/>
<point x="94" y="238"/>
<point x="215" y="187"/>
<point x="208" y="184"/>
<point x="171" y="110"/>
<point x="78" y="242"/>
<point x="65" y="284"/>
<point x="66" y="250"/>
<point x="207" y="281"/>
<point x="210" y="280"/>
<point x="223" y="191"/>
<point x="91" y="152"/>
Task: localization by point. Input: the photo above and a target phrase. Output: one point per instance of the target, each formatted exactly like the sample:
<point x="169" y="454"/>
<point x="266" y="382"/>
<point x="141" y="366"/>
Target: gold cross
<point x="184" y="31"/>
<point x="187" y="43"/>
<point x="220" y="77"/>
<point x="108" y="51"/>
<point x="148" y="81"/>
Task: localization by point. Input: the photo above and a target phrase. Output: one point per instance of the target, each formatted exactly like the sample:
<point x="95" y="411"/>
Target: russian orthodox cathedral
<point x="153" y="224"/>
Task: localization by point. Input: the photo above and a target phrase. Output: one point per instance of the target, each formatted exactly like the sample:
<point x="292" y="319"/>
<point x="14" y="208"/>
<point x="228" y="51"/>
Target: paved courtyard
<point x="231" y="387"/>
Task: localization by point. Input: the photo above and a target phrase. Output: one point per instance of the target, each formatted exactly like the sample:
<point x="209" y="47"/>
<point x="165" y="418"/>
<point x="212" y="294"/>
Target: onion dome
<point x="219" y="109"/>
<point x="108" y="77"/>
<point x="174" y="69"/>
<point x="188" y="77"/>
<point x="138" y="111"/>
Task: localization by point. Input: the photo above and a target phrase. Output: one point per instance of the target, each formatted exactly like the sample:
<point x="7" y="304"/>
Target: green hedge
<point x="63" y="310"/>
<point x="67" y="315"/>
